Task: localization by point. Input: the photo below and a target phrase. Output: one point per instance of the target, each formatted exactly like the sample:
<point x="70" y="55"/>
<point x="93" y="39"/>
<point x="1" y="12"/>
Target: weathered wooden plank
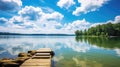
<point x="42" y="54"/>
<point x="37" y="60"/>
<point x="42" y="58"/>
<point x="44" y="50"/>
<point x="36" y="66"/>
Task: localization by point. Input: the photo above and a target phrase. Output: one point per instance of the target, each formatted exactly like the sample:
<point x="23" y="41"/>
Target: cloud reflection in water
<point x="23" y="44"/>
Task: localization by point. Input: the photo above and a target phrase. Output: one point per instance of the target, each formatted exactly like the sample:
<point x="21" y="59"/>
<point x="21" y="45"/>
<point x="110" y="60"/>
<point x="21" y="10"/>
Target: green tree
<point x="108" y="29"/>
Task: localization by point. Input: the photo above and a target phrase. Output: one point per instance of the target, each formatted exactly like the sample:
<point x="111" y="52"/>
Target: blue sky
<point x="56" y="16"/>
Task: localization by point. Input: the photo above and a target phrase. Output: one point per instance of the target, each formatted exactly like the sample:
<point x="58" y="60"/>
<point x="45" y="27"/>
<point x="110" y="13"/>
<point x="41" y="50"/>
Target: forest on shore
<point x="108" y="29"/>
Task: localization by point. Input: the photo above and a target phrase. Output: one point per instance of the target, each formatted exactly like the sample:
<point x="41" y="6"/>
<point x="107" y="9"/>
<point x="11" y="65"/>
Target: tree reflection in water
<point x="104" y="42"/>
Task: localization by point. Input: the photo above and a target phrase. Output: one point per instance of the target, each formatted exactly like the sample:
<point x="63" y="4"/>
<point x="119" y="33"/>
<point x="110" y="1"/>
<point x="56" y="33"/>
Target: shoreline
<point x="97" y="36"/>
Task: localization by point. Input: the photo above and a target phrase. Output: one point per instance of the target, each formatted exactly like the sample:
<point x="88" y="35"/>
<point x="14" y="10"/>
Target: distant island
<point x="8" y="33"/>
<point x="106" y="30"/>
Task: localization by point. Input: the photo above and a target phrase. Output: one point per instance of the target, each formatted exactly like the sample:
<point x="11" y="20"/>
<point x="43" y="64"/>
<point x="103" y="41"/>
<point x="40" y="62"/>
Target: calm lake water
<point x="69" y="50"/>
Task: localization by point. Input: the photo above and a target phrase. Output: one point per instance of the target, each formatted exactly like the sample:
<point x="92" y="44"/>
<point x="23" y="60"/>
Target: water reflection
<point x="69" y="51"/>
<point x="113" y="42"/>
<point x="86" y="63"/>
<point x="102" y="42"/>
<point x="22" y="44"/>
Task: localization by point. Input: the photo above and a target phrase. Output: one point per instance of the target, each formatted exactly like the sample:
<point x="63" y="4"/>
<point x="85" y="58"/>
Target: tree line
<point x="108" y="29"/>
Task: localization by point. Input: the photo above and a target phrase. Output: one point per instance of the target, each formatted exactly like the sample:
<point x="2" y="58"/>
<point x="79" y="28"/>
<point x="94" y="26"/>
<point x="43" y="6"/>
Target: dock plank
<point x="42" y="58"/>
<point x="35" y="66"/>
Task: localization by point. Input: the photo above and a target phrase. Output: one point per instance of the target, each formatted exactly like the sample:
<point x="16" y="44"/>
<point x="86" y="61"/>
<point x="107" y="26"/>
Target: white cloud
<point x="65" y="3"/>
<point x="88" y="6"/>
<point x="3" y="23"/>
<point x="37" y="13"/>
<point x="77" y="25"/>
<point x="70" y="28"/>
<point x="95" y="24"/>
<point x="3" y="20"/>
<point x="18" y="2"/>
<point x="34" y="20"/>
<point x="46" y="22"/>
<point x="117" y="19"/>
<point x="30" y="12"/>
<point x="10" y="5"/>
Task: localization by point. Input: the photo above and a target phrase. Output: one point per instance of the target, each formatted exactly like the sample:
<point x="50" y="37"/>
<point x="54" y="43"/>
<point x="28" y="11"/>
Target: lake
<point x="70" y="51"/>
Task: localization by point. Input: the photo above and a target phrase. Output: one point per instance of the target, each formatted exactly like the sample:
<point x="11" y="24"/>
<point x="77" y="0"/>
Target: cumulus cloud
<point x="117" y="19"/>
<point x="10" y="5"/>
<point x="45" y="22"/>
<point x="3" y="21"/>
<point x="95" y="24"/>
<point x="35" y="20"/>
<point x="77" y="25"/>
<point x="30" y="12"/>
<point x="19" y="22"/>
<point x="88" y="6"/>
<point x="65" y="3"/>
<point x="44" y="25"/>
<point x="37" y="13"/>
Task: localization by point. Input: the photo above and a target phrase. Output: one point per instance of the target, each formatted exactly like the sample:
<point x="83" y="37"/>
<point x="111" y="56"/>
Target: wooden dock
<point x="42" y="58"/>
